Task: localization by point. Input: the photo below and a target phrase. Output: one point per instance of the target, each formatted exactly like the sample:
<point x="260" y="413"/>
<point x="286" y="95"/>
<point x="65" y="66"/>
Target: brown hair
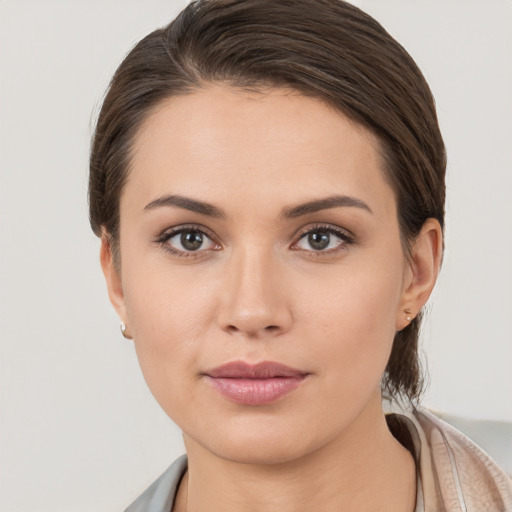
<point x="327" y="49"/>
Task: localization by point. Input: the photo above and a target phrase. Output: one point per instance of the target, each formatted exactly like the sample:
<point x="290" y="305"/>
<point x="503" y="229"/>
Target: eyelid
<point x="344" y="234"/>
<point x="168" y="233"/>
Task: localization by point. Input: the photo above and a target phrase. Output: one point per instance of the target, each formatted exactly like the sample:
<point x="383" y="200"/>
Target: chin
<point x="264" y="453"/>
<point x="262" y="442"/>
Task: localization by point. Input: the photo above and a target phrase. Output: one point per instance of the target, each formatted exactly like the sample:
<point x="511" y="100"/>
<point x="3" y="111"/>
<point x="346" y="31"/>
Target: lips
<point x="257" y="384"/>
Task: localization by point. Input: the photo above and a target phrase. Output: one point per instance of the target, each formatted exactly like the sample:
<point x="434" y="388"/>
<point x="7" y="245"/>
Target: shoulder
<point x="455" y="473"/>
<point x="159" y="496"/>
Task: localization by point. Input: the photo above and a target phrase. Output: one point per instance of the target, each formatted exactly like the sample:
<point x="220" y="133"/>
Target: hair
<point x="326" y="49"/>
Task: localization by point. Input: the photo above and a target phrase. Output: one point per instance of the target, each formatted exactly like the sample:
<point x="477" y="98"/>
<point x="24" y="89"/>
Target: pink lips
<point x="257" y="384"/>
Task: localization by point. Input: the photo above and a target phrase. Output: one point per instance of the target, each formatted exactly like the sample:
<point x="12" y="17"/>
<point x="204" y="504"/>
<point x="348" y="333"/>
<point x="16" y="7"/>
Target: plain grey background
<point x="79" y="431"/>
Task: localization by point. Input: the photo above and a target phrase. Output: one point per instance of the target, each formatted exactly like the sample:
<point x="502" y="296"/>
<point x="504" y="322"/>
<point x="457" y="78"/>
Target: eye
<point x="323" y="239"/>
<point x="182" y="241"/>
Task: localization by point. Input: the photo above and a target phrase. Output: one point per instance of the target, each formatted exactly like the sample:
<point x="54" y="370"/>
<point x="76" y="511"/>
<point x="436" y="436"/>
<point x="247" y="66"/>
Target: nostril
<point x="269" y="329"/>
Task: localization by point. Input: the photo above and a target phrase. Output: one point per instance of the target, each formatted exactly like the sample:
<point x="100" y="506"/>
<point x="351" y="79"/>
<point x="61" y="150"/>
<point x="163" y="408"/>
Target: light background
<point x="78" y="429"/>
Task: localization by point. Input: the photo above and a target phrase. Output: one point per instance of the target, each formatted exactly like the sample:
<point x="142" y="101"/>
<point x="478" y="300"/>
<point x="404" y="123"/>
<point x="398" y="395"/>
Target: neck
<point x="364" y="469"/>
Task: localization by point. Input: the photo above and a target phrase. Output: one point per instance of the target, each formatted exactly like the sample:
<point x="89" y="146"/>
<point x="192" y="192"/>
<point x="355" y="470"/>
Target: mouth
<point x="256" y="384"/>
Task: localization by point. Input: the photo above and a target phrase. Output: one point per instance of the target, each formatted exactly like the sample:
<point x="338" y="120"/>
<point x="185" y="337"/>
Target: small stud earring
<point x="123" y="331"/>
<point x="408" y="313"/>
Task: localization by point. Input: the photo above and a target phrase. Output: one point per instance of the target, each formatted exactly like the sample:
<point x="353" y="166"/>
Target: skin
<point x="256" y="290"/>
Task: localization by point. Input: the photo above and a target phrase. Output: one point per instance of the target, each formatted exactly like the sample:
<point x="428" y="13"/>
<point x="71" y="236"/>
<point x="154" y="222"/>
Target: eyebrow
<point x="210" y="210"/>
<point x="324" y="204"/>
<point x="188" y="204"/>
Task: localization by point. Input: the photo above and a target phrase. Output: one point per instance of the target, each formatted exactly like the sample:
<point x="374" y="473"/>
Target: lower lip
<point x="255" y="391"/>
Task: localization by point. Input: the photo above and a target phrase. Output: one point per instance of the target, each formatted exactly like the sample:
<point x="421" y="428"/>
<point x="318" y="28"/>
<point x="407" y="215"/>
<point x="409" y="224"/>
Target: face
<point x="257" y="228"/>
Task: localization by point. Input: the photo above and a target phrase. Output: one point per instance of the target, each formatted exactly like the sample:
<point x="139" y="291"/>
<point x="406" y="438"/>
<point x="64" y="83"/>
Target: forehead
<point x="278" y="143"/>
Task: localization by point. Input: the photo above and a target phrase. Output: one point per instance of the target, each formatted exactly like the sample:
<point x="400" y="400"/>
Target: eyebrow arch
<point x="188" y="204"/>
<point x="324" y="204"/>
<point x="210" y="210"/>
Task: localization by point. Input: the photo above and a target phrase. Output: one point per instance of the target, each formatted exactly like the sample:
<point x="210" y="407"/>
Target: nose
<point x="254" y="301"/>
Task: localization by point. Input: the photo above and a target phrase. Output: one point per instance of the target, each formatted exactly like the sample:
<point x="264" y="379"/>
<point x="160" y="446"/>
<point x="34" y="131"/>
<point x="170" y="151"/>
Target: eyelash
<point x="345" y="237"/>
<point x="187" y="228"/>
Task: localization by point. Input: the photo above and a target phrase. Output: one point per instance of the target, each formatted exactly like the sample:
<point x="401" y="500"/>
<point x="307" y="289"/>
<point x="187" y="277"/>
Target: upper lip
<point x="263" y="370"/>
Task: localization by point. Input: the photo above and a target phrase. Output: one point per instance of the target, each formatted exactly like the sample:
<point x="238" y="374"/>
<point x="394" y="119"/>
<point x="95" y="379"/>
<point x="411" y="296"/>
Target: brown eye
<point x="319" y="240"/>
<point x="322" y="239"/>
<point x="189" y="240"/>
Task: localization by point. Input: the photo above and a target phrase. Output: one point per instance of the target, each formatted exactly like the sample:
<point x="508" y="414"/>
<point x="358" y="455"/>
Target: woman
<point x="267" y="179"/>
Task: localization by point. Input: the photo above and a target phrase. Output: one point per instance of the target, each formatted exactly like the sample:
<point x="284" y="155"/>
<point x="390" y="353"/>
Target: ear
<point x="421" y="272"/>
<point x="112" y="277"/>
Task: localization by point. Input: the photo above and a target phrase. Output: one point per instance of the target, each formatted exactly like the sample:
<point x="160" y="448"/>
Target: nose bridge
<point x="255" y="303"/>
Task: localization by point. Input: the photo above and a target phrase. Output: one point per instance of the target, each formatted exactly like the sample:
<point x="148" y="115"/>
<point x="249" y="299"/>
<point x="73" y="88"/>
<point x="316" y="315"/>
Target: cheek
<point x="169" y="317"/>
<point x="353" y="323"/>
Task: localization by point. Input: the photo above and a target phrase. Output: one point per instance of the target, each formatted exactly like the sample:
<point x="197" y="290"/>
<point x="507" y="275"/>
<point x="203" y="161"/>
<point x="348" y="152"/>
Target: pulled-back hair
<point x="327" y="49"/>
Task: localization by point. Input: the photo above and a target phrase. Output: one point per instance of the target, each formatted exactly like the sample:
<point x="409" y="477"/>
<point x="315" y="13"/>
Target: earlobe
<point x="423" y="268"/>
<point x="112" y="278"/>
